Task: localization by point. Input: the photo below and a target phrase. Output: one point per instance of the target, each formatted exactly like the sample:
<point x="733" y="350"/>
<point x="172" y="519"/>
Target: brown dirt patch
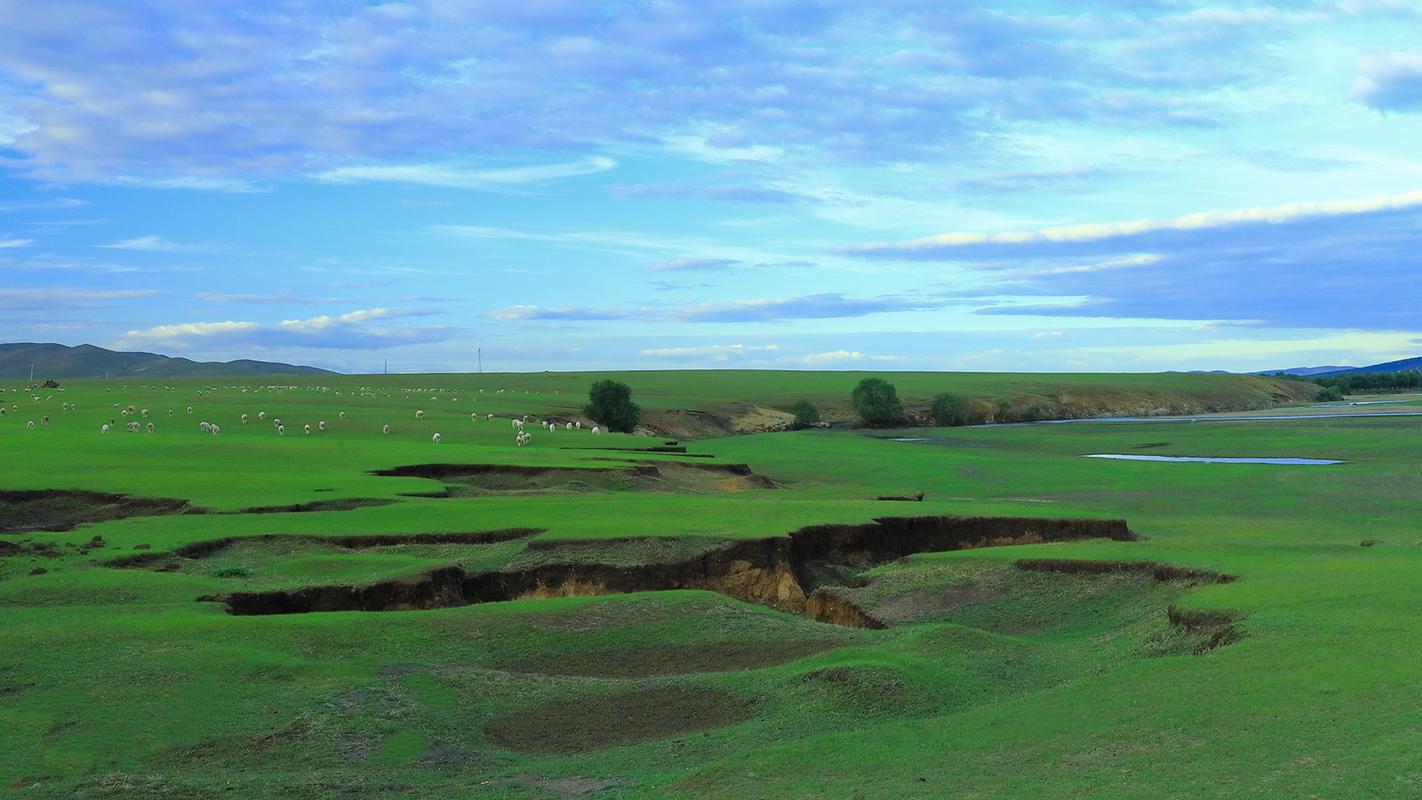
<point x="62" y="510"/>
<point x="642" y="662"/>
<point x="320" y="505"/>
<point x="917" y="603"/>
<point x="592" y="723"/>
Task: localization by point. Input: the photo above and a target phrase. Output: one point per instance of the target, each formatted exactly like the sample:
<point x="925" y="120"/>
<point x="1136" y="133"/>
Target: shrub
<point x="877" y="403"/>
<point x="950" y="409"/>
<point x="230" y="572"/>
<point x="1330" y="393"/>
<point x="610" y="403"/>
<point x="806" y="415"/>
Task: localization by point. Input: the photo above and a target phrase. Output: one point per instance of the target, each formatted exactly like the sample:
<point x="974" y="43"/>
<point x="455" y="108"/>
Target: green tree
<point x="950" y="409"/>
<point x="877" y="403"/>
<point x="610" y="403"/>
<point x="806" y="415"/>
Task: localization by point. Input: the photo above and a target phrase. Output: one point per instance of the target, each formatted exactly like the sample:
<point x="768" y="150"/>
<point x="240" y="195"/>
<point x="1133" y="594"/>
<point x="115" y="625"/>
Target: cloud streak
<point x="462" y="177"/>
<point x="944" y="245"/>
<point x="366" y="329"/>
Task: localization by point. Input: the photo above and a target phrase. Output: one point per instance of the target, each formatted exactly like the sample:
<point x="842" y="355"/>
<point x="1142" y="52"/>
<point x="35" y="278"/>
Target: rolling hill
<point x="87" y="361"/>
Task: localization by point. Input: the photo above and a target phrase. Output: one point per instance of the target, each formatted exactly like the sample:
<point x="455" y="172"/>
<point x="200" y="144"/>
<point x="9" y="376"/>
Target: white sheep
<point x="204" y="426"/>
<point x="190" y="409"/>
<point x="578" y="424"/>
<point x="419" y="415"/>
<point x="151" y="427"/>
<point x="29" y="426"/>
<point x="385" y="429"/>
<point x="308" y="430"/>
<point x="568" y="426"/>
<point x="170" y="412"/>
<point x="341" y="415"/>
<point x="144" y="413"/>
<point x="276" y="423"/>
<point x="491" y="417"/>
<point x="595" y="430"/>
<point x="244" y="419"/>
<point x="436" y="438"/>
<point x="104" y="428"/>
<point x="216" y="430"/>
<point x="261" y="415"/>
<point x="281" y="430"/>
<point x="321" y="426"/>
<point x="474" y="417"/>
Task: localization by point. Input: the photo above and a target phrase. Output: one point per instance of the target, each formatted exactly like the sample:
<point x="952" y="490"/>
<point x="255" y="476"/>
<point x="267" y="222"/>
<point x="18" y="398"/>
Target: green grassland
<point x="988" y="682"/>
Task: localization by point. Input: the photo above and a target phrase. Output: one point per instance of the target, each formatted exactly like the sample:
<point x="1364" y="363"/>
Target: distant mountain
<point x="1304" y="372"/>
<point x="1390" y="366"/>
<point x="87" y="361"/>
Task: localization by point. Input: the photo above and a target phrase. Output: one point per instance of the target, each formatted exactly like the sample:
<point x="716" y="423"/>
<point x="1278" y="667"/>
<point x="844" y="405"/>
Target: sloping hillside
<point x="87" y="361"/>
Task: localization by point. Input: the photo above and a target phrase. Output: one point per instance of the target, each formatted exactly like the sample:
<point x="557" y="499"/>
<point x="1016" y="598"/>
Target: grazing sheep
<point x="474" y="417"/>
<point x="170" y="412"/>
<point x="522" y="438"/>
<point x="29" y="426"/>
<point x="261" y="415"/>
<point x="308" y="430"/>
<point x="190" y="409"/>
<point x="385" y="429"/>
<point x="568" y="426"/>
<point x="133" y="427"/>
<point x="276" y="423"/>
<point x="578" y="424"/>
<point x="204" y="426"/>
<point x="321" y="426"/>
<point x="491" y="417"/>
<point x="103" y="428"/>
<point x="419" y="415"/>
<point x="341" y="415"/>
<point x="151" y="427"/>
<point x="244" y="419"/>
<point x="216" y="430"/>
<point x="44" y="420"/>
<point x="596" y="431"/>
<point x="281" y="430"/>
<point x="144" y="413"/>
<point x="436" y="438"/>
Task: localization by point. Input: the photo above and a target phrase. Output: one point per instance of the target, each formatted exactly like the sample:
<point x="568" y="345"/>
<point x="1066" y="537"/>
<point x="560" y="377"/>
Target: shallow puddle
<point x="1306" y="462"/>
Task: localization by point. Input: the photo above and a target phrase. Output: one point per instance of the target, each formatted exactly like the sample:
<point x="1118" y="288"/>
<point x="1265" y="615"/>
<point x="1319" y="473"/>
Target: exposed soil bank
<point x="320" y="505"/>
<point x="62" y="510"/>
<point x="784" y="572"/>
<point x="1216" y="627"/>
<point x="1157" y="570"/>
<point x="688" y="476"/>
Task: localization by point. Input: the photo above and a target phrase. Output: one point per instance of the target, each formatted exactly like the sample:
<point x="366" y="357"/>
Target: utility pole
<point x="480" y="351"/>
<point x="387" y="366"/>
<point x="32" y="372"/>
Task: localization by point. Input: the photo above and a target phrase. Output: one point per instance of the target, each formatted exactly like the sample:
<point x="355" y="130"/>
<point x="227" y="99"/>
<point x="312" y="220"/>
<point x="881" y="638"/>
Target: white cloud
<point x="1092" y="232"/>
<point x="11" y="243"/>
<point x="151" y="244"/>
<point x="713" y="352"/>
<point x="464" y="177"/>
<point x="357" y="330"/>
<point x="838" y="356"/>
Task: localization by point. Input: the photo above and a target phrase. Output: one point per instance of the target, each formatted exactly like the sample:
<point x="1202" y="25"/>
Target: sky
<point x="802" y="184"/>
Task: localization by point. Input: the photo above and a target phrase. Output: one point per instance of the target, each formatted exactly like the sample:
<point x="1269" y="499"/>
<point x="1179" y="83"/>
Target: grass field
<point x="987" y="680"/>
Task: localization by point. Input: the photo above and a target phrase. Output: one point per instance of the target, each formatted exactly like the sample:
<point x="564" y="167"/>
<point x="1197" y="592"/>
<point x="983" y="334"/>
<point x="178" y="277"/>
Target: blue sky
<point x="902" y="184"/>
